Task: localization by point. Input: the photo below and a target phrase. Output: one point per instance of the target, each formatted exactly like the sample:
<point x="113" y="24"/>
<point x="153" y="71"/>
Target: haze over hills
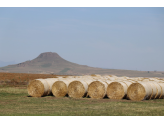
<point x="49" y="62"/>
<point x="2" y="63"/>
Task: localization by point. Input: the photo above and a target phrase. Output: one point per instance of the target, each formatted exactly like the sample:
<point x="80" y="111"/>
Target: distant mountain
<point x="52" y="63"/>
<point x="49" y="63"/>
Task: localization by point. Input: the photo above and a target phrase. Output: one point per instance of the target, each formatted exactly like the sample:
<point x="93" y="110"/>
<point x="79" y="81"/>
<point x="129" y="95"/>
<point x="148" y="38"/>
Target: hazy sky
<point x="117" y="38"/>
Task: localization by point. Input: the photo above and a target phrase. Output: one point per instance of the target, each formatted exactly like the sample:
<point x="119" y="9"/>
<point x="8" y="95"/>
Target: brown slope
<point x="52" y="63"/>
<point x="47" y="63"/>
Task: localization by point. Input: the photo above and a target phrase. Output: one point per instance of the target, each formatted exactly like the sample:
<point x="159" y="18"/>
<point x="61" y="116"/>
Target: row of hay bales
<point x="97" y="87"/>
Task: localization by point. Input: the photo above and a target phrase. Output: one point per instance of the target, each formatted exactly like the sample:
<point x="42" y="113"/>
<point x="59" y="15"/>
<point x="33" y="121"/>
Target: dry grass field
<point x="15" y="101"/>
<point x="23" y="77"/>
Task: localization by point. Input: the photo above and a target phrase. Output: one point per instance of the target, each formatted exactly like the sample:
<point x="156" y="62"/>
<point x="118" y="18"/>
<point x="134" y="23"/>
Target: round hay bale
<point x="146" y="80"/>
<point x="152" y="79"/>
<point x="96" y="76"/>
<point x="117" y="90"/>
<point x="50" y="82"/>
<point x="159" y="90"/>
<point x="140" y="78"/>
<point x="162" y="90"/>
<point x="97" y="89"/>
<point x="60" y="88"/>
<point x="154" y="90"/>
<point x="77" y="89"/>
<point x="139" y="91"/>
<point x="112" y="78"/>
<point x="123" y="78"/>
<point x="110" y="75"/>
<point x="128" y="83"/>
<point x="38" y="88"/>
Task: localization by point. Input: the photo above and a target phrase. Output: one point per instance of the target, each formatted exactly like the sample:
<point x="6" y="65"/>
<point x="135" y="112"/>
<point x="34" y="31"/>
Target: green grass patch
<point x="15" y="102"/>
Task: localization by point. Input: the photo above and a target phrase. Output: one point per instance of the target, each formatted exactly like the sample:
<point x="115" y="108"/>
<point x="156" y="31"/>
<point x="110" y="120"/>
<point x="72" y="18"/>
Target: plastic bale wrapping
<point x="145" y="80"/>
<point x="60" y="88"/>
<point x="128" y="83"/>
<point x="113" y="78"/>
<point x="77" y="89"/>
<point x="139" y="78"/>
<point x="97" y="89"/>
<point x="139" y="91"/>
<point x="154" y="89"/>
<point x="38" y="88"/>
<point x="159" y="90"/>
<point x="162" y="90"/>
<point x="96" y="77"/>
<point x="50" y="82"/>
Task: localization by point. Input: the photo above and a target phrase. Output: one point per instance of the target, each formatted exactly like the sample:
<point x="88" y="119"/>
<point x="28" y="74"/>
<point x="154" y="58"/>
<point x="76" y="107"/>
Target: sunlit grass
<point x="15" y="101"/>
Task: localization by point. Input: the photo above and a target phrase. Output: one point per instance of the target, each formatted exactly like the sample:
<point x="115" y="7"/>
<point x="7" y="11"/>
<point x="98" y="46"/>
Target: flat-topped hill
<point x="50" y="62"/>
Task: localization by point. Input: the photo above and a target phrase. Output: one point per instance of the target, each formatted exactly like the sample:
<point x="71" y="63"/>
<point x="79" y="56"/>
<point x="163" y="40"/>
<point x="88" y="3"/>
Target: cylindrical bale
<point x="96" y="76"/>
<point x="140" y="78"/>
<point x="103" y="80"/>
<point x="121" y="78"/>
<point x="152" y="79"/>
<point x="77" y="89"/>
<point x="117" y="90"/>
<point x="97" y="89"/>
<point x="128" y="83"/>
<point x="50" y="82"/>
<point x="60" y="77"/>
<point x="159" y="90"/>
<point x="38" y="88"/>
<point x="60" y="88"/>
<point x="139" y="91"/>
<point x="154" y="89"/>
<point x="145" y="80"/>
<point x="112" y="78"/>
<point x="162" y="90"/>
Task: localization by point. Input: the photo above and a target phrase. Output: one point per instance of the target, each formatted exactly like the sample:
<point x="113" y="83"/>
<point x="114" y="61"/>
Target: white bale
<point x="47" y="88"/>
<point x="50" y="82"/>
<point x="159" y="90"/>
<point x="117" y="90"/>
<point x="154" y="89"/>
<point x="60" y="87"/>
<point x="78" y="88"/>
<point x="162" y="90"/>
<point x="38" y="88"/>
<point x="139" y="91"/>
<point x="97" y="89"/>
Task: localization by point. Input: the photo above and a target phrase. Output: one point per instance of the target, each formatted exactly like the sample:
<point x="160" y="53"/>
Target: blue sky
<point x="117" y="38"/>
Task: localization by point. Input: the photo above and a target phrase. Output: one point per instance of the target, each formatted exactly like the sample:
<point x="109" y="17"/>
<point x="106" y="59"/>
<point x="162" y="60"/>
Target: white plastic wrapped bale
<point x="159" y="90"/>
<point x="162" y="90"/>
<point x="38" y="88"/>
<point x="139" y="91"/>
<point x="50" y="82"/>
<point x="60" y="88"/>
<point x="78" y="88"/>
<point x="154" y="89"/>
<point x="97" y="89"/>
<point x="41" y="87"/>
<point x="118" y="90"/>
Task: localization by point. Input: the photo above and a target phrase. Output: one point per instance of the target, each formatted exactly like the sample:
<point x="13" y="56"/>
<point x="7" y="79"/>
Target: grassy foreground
<point x="15" y="101"/>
